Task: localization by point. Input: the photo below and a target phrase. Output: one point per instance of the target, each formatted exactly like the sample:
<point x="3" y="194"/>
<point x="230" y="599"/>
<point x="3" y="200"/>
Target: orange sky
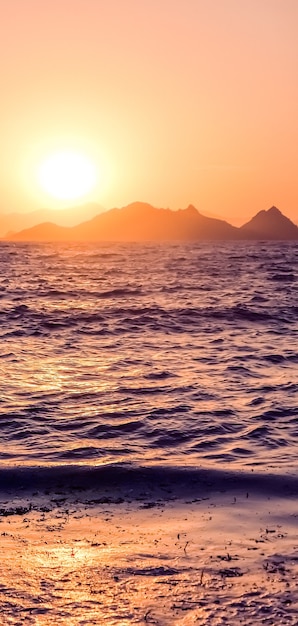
<point x="177" y="101"/>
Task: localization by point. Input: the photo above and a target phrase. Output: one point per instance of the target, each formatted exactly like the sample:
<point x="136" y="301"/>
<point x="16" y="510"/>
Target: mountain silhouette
<point x="271" y="224"/>
<point x="140" y="221"/>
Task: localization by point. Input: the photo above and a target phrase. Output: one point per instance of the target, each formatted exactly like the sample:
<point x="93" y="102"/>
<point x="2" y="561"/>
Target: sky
<point x="176" y="102"/>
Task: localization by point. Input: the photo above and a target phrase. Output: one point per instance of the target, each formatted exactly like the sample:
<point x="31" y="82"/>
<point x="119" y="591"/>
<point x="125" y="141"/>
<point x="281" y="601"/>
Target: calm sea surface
<point x="171" y="354"/>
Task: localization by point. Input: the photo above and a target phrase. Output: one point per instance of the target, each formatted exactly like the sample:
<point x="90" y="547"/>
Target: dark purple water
<point x="180" y="355"/>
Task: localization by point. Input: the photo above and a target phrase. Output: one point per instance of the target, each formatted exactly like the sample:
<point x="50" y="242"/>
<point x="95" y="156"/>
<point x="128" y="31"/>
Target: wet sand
<point x="148" y="556"/>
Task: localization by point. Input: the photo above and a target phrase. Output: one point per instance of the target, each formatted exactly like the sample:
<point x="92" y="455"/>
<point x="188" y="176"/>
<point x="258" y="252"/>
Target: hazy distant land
<point x="10" y="223"/>
<point x="142" y="222"/>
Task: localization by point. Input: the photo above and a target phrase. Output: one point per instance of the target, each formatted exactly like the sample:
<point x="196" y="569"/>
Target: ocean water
<point x="161" y="355"/>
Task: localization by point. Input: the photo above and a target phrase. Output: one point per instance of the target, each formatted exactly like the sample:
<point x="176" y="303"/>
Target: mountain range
<point x="140" y="221"/>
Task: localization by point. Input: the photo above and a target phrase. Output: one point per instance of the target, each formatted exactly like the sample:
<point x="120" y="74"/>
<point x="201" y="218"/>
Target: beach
<point x="205" y="551"/>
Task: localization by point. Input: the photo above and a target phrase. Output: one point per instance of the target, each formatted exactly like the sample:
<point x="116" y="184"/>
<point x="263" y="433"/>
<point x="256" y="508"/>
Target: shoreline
<point x="145" y="556"/>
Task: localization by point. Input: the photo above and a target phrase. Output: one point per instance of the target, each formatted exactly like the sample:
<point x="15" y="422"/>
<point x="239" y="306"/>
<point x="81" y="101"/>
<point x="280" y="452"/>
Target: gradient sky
<point x="178" y="101"/>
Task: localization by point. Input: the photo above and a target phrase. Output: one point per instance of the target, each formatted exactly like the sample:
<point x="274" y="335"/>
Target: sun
<point x="67" y="175"/>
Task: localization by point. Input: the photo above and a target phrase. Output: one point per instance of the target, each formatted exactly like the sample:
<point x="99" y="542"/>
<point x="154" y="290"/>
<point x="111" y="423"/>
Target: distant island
<point x="140" y="221"/>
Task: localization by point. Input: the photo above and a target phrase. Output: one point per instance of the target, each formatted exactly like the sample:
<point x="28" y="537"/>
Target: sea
<point x="149" y="355"/>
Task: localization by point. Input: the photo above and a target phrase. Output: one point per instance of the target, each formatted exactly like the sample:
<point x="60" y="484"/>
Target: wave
<point x="180" y="482"/>
<point x="123" y="319"/>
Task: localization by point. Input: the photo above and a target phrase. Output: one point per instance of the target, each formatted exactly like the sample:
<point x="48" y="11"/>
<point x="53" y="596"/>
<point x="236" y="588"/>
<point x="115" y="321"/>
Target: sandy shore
<point x="96" y="557"/>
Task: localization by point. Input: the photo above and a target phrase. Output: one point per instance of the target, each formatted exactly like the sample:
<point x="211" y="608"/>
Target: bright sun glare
<point x="67" y="175"/>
